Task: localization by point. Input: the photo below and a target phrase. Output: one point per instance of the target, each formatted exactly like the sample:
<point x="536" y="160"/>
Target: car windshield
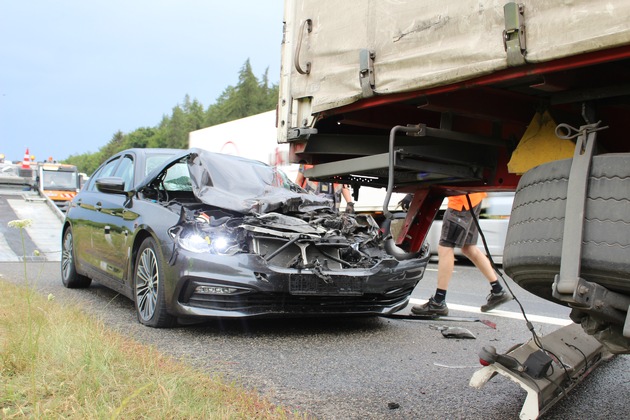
<point x="177" y="178"/>
<point x="249" y="177"/>
<point x="154" y="161"/>
<point x="59" y="180"/>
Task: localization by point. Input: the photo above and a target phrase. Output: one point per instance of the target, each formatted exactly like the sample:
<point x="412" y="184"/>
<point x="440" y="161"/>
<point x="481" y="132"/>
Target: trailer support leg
<point x="547" y="376"/>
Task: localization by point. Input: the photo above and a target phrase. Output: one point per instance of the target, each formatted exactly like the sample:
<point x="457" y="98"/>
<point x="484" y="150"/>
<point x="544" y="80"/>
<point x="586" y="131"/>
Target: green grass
<point x="57" y="362"/>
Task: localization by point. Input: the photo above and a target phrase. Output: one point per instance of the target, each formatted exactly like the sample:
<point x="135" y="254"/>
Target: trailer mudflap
<point x="547" y="376"/>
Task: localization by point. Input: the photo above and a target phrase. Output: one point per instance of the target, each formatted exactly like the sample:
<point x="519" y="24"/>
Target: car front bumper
<point x="246" y="286"/>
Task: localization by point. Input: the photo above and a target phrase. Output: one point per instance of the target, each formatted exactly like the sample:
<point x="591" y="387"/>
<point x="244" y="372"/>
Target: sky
<point x="74" y="72"/>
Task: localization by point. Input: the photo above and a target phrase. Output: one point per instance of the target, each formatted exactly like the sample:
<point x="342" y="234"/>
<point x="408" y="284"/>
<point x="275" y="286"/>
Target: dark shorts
<point x="459" y="228"/>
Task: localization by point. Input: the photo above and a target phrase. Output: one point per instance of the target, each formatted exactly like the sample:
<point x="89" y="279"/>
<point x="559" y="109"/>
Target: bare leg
<point x="480" y="260"/>
<point x="446" y="264"/>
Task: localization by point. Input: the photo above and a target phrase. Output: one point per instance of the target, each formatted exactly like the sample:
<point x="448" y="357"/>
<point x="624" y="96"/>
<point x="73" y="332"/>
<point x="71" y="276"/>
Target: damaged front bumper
<point x="245" y="285"/>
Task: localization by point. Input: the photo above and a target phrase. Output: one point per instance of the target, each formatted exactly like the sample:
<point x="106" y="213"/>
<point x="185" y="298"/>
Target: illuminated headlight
<point x="217" y="290"/>
<point x="195" y="243"/>
<point x="220" y="244"/>
<point x="200" y="244"/>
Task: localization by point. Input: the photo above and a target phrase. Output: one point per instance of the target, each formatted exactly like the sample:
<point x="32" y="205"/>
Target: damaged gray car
<point x="192" y="234"/>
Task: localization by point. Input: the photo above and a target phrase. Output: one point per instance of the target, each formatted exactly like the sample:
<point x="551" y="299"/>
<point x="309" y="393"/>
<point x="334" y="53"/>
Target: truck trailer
<point x="441" y="98"/>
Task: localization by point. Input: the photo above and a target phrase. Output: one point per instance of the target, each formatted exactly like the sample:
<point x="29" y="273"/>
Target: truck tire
<point x="534" y="239"/>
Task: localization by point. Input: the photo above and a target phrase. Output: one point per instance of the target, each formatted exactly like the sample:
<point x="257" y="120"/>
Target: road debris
<point x="456" y="332"/>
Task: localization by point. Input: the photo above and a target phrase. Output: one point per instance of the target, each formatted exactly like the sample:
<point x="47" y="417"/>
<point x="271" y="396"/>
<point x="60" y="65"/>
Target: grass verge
<point x="56" y="362"/>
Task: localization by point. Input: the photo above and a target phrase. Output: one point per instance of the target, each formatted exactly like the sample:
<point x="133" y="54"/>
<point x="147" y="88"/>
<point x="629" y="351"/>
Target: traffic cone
<point x="26" y="171"/>
<point x="26" y="163"/>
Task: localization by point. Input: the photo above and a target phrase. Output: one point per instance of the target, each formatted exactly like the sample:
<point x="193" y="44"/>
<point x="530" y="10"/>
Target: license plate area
<point x="315" y="286"/>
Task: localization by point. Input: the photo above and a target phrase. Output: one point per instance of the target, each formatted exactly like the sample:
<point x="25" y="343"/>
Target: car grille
<point x="287" y="303"/>
<point x="267" y="246"/>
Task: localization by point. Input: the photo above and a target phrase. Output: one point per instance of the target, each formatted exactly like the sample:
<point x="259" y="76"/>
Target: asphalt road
<point x="359" y="368"/>
<point x="353" y="368"/>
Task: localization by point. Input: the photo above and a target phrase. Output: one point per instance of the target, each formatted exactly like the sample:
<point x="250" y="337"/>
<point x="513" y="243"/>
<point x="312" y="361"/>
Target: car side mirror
<point x="111" y="185"/>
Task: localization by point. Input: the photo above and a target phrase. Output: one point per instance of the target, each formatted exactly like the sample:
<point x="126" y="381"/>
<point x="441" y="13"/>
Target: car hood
<point x="241" y="185"/>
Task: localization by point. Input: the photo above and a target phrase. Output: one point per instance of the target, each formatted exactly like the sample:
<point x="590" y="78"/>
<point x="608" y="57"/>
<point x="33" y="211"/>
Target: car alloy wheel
<point x="149" y="290"/>
<point x="69" y="276"/>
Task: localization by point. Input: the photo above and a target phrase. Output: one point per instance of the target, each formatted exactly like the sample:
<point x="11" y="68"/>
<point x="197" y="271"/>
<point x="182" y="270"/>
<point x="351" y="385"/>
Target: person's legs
<point x="436" y="304"/>
<point x="446" y="264"/>
<point x="497" y="295"/>
<point x="474" y="254"/>
<point x="453" y="233"/>
<point x="459" y="230"/>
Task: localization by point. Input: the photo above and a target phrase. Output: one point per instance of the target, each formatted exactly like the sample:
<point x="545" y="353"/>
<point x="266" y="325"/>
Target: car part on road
<point x="547" y="368"/>
<point x="440" y="318"/>
<point x="456" y="332"/>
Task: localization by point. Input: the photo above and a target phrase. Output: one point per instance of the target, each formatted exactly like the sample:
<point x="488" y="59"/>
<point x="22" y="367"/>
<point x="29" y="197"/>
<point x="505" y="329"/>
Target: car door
<point x="88" y="221"/>
<point x="118" y="223"/>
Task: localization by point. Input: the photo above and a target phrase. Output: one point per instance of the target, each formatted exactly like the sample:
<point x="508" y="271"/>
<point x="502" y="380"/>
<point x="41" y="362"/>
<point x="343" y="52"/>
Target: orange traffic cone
<point x="26" y="163"/>
<point x="26" y="171"/>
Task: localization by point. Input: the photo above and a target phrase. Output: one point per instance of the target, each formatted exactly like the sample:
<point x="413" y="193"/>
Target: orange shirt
<point x="459" y="202"/>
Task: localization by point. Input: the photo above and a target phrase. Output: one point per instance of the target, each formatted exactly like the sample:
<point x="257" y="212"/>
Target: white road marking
<point x="502" y="314"/>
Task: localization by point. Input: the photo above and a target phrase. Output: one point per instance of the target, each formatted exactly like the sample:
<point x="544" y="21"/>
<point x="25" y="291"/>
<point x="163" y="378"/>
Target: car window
<point x="59" y="179"/>
<point x="153" y="162"/>
<point x="105" y="170"/>
<point x="125" y="171"/>
<point x="178" y="178"/>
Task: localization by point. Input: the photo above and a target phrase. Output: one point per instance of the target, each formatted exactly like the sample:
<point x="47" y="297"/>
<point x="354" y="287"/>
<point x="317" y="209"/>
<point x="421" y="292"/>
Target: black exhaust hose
<point x="390" y="245"/>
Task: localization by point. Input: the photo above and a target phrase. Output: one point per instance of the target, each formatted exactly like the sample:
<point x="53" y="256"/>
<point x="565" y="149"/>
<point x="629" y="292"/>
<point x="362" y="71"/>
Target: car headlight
<point x="200" y="243"/>
<point x="195" y="243"/>
<point x="220" y="244"/>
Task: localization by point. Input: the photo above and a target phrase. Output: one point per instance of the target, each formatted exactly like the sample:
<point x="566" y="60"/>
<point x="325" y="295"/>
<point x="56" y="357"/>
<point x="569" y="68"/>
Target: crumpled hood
<point x="247" y="186"/>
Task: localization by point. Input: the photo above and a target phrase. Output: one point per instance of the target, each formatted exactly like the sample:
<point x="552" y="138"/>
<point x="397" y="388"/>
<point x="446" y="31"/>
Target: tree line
<point x="250" y="96"/>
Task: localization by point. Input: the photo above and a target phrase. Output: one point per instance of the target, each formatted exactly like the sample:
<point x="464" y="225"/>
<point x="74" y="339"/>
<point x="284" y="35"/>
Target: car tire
<point x="69" y="275"/>
<point x="534" y="239"/>
<point x="148" y="282"/>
